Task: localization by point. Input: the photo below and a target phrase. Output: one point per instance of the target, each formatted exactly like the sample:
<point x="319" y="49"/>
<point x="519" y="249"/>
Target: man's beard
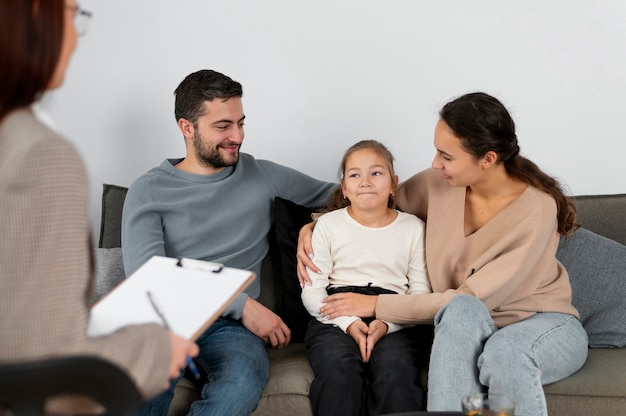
<point x="211" y="157"/>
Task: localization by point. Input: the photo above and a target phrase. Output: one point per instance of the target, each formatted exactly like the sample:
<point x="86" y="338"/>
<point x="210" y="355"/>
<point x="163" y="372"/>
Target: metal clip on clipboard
<point x="206" y="266"/>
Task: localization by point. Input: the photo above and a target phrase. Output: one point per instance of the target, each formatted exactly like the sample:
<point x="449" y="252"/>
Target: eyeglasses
<point x="81" y="18"/>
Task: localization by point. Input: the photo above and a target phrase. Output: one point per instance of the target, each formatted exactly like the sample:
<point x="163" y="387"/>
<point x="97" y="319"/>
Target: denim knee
<point x="501" y="358"/>
<point x="237" y="368"/>
<point x="462" y="309"/>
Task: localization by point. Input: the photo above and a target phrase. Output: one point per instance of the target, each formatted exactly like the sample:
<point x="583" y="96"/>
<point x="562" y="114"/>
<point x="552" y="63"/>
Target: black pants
<point x="345" y="385"/>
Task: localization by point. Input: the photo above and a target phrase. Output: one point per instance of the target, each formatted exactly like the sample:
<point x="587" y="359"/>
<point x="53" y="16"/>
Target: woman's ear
<point x="490" y="159"/>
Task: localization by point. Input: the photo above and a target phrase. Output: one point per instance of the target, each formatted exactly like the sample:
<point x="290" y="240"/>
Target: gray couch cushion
<point x="109" y="270"/>
<point x="597" y="270"/>
<point x="596" y="389"/>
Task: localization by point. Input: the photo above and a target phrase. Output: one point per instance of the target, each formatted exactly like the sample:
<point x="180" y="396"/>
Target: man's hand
<point x="265" y="324"/>
<point x="349" y="304"/>
<point x="304" y="254"/>
<point x="358" y="330"/>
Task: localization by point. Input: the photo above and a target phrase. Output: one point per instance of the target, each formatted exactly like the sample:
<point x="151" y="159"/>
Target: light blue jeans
<point x="470" y="354"/>
<point x="235" y="368"/>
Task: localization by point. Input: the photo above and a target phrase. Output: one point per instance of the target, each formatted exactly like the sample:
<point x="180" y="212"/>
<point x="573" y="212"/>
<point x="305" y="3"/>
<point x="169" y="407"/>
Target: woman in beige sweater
<point x="501" y="301"/>
<point x="46" y="252"/>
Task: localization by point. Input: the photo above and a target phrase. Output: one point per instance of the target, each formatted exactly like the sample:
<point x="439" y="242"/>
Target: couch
<point x="595" y="258"/>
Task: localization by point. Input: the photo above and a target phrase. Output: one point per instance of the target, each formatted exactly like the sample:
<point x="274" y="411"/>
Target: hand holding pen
<point x="190" y="364"/>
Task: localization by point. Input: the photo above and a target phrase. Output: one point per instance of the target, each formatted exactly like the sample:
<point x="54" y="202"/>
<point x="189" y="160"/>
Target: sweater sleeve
<point x="296" y="186"/>
<point x="142" y="229"/>
<point x="412" y="309"/>
<point x="143" y="351"/>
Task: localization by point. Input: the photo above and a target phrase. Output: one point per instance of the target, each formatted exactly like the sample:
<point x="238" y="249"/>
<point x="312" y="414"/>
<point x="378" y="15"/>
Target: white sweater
<point x="351" y="254"/>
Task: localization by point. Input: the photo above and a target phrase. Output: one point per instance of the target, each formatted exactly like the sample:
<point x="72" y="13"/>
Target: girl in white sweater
<point x="365" y="247"/>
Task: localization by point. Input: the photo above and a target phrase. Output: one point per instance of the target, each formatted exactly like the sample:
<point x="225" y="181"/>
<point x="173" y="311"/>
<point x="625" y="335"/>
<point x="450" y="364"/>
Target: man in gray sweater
<point x="216" y="204"/>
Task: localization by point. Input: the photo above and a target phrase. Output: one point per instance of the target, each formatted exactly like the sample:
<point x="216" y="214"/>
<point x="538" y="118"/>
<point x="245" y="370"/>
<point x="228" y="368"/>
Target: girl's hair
<point x="31" y="35"/>
<point x="483" y="124"/>
<point x="336" y="199"/>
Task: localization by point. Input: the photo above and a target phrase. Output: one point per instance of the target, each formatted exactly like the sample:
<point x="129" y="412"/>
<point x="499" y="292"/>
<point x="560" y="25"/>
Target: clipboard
<point x="192" y="295"/>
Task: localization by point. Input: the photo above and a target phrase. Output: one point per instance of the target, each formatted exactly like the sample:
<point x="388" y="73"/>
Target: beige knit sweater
<point x="509" y="263"/>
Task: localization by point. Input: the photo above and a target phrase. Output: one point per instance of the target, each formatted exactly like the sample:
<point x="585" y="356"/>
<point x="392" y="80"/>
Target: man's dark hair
<point x="201" y="86"/>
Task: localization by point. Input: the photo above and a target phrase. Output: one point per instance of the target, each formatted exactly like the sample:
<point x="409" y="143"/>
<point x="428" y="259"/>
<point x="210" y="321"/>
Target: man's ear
<point x="186" y="127"/>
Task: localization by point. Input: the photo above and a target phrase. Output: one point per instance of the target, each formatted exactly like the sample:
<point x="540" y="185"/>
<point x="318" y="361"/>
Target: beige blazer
<point x="46" y="260"/>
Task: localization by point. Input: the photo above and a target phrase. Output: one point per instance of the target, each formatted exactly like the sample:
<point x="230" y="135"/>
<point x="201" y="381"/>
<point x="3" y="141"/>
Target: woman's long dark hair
<point x="483" y="124"/>
<point x="31" y="36"/>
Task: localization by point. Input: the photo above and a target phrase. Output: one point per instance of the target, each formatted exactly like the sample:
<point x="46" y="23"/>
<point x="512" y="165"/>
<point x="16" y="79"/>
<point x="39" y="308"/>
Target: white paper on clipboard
<point x="191" y="298"/>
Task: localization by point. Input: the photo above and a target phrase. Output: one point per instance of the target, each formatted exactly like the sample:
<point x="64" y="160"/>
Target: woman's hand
<point x="181" y="350"/>
<point x="349" y="304"/>
<point x="304" y="254"/>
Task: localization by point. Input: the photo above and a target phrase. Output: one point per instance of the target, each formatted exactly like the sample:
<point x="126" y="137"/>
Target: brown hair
<point x="31" y="36"/>
<point x="201" y="86"/>
<point x="336" y="199"/>
<point x="483" y="124"/>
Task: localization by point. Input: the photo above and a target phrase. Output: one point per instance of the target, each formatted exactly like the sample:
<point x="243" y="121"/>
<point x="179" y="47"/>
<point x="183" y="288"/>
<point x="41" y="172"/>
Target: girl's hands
<point x="377" y="330"/>
<point x="358" y="330"/>
<point x="366" y="337"/>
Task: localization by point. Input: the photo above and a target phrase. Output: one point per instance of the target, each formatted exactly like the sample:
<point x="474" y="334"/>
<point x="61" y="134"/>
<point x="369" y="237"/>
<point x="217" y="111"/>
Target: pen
<point x="190" y="363"/>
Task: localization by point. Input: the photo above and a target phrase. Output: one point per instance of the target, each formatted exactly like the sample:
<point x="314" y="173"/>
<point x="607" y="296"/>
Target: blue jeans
<point x="235" y="369"/>
<point x="470" y="354"/>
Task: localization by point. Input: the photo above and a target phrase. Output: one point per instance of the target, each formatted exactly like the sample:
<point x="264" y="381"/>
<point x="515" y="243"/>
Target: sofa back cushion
<point x="603" y="214"/>
<point x="288" y="219"/>
<point x="108" y="255"/>
<point x="111" y="219"/>
<point x="597" y="271"/>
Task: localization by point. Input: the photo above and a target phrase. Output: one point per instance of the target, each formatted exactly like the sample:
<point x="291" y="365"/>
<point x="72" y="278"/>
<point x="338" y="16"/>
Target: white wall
<point x="320" y="75"/>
